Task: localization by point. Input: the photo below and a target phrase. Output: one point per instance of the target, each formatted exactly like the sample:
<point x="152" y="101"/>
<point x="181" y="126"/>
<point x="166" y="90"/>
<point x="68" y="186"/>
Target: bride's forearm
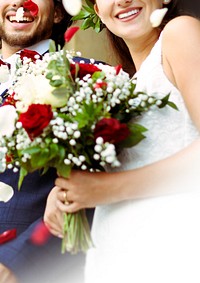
<point x="175" y="174"/>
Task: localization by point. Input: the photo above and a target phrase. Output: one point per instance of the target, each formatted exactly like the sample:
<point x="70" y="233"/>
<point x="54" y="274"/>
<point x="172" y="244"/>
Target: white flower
<point x="36" y="89"/>
<point x="157" y="17"/>
<point x="6" y="192"/>
<point x="72" y="7"/>
<point x="8" y="116"/>
<point x="4" y="73"/>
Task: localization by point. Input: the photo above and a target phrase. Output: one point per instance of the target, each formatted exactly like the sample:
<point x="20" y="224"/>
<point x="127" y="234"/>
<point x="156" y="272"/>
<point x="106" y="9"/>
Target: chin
<point x="19" y="39"/>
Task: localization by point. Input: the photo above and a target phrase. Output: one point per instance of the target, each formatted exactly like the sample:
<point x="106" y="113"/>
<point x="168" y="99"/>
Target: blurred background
<point x="92" y="45"/>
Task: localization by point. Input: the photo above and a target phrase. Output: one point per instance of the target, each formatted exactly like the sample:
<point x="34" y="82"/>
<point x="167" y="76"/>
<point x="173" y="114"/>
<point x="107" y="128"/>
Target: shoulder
<point x="180" y="35"/>
<point x="180" y="48"/>
<point x="181" y="29"/>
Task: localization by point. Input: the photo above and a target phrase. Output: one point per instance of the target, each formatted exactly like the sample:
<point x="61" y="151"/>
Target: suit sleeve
<point x="44" y="263"/>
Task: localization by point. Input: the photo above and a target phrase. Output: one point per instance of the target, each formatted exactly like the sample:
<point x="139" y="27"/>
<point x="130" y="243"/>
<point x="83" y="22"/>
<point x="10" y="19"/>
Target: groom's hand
<point x="6" y="275"/>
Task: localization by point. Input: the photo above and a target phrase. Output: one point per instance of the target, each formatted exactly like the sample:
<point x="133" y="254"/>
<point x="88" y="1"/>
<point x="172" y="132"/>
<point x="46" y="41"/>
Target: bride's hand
<point x="53" y="216"/>
<point x="88" y="189"/>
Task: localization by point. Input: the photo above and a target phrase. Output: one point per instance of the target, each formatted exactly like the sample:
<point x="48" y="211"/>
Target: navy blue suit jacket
<point x="23" y="212"/>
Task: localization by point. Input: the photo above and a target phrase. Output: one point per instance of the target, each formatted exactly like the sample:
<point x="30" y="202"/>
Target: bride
<point x="147" y="221"/>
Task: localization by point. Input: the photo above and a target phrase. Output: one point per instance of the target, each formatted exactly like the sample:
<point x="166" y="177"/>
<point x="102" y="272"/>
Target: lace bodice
<point x="168" y="130"/>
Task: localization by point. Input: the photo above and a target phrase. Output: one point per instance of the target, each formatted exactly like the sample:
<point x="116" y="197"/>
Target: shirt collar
<point x="41" y="48"/>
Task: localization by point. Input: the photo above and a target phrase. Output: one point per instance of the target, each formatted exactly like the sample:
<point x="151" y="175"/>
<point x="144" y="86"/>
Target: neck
<point x="141" y="48"/>
<point x="8" y="50"/>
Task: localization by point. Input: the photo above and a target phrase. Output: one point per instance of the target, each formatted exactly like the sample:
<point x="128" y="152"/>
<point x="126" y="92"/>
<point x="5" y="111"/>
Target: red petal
<point x="40" y="234"/>
<point x="118" y="68"/>
<point x="8" y="236"/>
<point x="69" y="33"/>
<point x="32" y="7"/>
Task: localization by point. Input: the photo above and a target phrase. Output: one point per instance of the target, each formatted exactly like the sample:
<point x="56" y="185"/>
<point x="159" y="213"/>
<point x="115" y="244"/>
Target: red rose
<point x="36" y="118"/>
<point x="111" y="130"/>
<point x="31" y="54"/>
<point x="32" y="7"/>
<point x="83" y="69"/>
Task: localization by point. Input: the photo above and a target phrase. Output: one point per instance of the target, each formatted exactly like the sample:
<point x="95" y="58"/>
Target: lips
<point x="128" y="13"/>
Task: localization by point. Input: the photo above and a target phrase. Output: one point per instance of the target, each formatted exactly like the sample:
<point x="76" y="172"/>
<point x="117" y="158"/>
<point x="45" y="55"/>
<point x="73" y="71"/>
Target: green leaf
<point x="172" y="105"/>
<point x="82" y="15"/>
<point x="90" y="4"/>
<point x="22" y="174"/>
<point x="30" y="151"/>
<point x="52" y="46"/>
<point x="56" y="83"/>
<point x="63" y="170"/>
<point x="88" y="115"/>
<point x="98" y="75"/>
<point x="165" y="101"/>
<point x="89" y="17"/>
<point x="40" y="159"/>
<point x="53" y="150"/>
<point x="135" y="137"/>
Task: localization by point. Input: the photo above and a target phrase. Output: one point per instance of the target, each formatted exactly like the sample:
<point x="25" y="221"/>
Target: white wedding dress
<point x="151" y="240"/>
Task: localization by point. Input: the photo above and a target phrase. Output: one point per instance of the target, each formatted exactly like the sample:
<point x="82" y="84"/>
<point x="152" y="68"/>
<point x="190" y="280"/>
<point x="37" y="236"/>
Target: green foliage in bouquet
<point x="89" y="17"/>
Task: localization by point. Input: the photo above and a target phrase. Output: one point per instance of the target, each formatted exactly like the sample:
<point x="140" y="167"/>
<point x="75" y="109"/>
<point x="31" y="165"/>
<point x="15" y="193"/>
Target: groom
<point x="20" y="260"/>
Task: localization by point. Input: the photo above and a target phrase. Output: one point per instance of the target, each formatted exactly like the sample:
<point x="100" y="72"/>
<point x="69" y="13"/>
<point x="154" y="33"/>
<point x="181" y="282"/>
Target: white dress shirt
<point x="41" y="48"/>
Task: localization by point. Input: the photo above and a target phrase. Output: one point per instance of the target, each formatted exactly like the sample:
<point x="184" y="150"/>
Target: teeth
<point x="128" y="14"/>
<point x="23" y="19"/>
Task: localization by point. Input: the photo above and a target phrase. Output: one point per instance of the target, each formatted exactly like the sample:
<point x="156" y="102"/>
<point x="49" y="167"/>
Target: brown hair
<point x="60" y="28"/>
<point x="120" y="48"/>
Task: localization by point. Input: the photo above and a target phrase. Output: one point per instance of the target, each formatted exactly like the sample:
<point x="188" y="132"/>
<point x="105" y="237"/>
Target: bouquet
<point x="67" y="115"/>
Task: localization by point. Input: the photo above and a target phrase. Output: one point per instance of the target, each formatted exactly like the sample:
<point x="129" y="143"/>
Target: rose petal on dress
<point x="6" y="192"/>
<point x="157" y="17"/>
<point x="72" y="7"/>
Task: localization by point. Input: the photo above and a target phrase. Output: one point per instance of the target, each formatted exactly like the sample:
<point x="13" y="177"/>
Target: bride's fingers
<point x="55" y="222"/>
<point x="71" y="207"/>
<point x="63" y="197"/>
<point x="54" y="228"/>
<point x="56" y="233"/>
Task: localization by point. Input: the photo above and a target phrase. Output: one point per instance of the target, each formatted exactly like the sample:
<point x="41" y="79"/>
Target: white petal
<point x="8" y="116"/>
<point x="6" y="192"/>
<point x="4" y="73"/>
<point x="157" y="17"/>
<point x="72" y="7"/>
<point x="20" y="14"/>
